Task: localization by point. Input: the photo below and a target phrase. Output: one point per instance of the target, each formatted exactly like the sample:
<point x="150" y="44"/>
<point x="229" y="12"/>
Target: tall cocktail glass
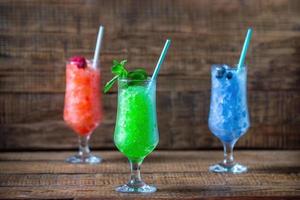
<point x="136" y="133"/>
<point x="228" y="116"/>
<point x="83" y="107"/>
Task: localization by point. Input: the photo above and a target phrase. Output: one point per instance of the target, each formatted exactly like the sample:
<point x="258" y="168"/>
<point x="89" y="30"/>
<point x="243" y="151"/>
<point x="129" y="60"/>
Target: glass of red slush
<point x="83" y="106"/>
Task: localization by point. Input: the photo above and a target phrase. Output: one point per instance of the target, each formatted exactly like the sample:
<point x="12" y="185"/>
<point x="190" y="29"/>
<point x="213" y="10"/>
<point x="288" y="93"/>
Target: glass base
<point x="89" y="159"/>
<point x="129" y="189"/>
<point x="233" y="169"/>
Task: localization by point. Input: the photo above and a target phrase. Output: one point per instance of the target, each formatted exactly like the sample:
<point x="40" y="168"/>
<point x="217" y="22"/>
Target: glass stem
<point x="84" y="149"/>
<point x="135" y="176"/>
<point x="228" y="153"/>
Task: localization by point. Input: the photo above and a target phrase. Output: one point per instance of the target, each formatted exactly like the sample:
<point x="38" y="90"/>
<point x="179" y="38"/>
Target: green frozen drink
<point x="136" y="133"/>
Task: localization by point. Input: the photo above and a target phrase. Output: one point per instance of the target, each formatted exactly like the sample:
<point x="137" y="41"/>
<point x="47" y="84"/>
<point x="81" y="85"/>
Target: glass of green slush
<point x="136" y="133"/>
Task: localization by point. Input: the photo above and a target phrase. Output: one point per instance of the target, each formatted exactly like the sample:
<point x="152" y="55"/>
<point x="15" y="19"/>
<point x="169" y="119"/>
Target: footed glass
<point x="84" y="155"/>
<point x="83" y="107"/>
<point x="136" y="132"/>
<point x="228" y="116"/>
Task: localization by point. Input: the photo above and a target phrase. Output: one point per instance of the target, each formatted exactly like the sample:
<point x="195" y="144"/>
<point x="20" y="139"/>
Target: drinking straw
<point x="160" y="61"/>
<point x="245" y="48"/>
<point x="98" y="46"/>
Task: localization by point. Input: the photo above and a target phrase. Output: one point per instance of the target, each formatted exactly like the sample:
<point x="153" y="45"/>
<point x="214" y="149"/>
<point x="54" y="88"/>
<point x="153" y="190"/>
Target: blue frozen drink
<point x="228" y="117"/>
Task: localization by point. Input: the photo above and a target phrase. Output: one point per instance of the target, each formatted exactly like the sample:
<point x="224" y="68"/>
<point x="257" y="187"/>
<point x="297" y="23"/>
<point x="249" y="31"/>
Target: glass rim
<point x="213" y="66"/>
<point x="148" y="80"/>
<point x="89" y="61"/>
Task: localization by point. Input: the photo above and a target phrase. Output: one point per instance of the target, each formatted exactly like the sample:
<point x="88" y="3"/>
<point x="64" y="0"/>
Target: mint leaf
<point x="138" y="74"/>
<point x="110" y="83"/>
<point x="118" y="69"/>
<point x="123" y="62"/>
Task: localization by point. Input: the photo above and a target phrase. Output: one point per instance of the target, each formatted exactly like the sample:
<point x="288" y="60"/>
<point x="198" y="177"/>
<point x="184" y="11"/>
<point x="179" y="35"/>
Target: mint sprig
<point x="118" y="69"/>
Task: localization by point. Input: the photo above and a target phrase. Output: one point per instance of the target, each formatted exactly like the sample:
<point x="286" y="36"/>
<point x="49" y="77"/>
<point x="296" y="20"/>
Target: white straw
<point x="98" y="46"/>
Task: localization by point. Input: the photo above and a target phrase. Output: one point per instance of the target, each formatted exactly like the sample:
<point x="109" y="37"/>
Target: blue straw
<point x="160" y="61"/>
<point x="245" y="48"/>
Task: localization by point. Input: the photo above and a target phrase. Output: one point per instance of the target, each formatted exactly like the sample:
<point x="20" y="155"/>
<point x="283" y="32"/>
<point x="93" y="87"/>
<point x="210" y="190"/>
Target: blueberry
<point x="229" y="75"/>
<point x="220" y="72"/>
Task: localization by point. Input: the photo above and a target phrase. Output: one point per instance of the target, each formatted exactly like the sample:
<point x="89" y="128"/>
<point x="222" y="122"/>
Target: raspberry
<point x="79" y="61"/>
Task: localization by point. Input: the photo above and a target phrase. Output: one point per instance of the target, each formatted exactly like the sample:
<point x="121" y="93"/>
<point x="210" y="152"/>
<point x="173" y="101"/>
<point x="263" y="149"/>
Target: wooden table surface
<point x="177" y="175"/>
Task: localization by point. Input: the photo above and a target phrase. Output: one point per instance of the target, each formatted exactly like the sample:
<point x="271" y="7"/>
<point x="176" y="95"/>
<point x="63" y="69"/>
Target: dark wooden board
<point x="178" y="175"/>
<point x="36" y="38"/>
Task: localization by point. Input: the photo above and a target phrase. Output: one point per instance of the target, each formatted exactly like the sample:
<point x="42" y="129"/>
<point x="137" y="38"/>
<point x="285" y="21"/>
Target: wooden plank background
<point x="36" y="37"/>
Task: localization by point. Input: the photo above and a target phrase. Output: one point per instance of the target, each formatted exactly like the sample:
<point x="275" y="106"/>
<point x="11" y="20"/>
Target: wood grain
<point x="38" y="118"/>
<point x="36" y="38"/>
<point x="178" y="175"/>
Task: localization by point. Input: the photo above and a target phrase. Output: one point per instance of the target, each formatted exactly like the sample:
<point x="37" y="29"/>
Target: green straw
<point x="245" y="48"/>
<point x="160" y="62"/>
